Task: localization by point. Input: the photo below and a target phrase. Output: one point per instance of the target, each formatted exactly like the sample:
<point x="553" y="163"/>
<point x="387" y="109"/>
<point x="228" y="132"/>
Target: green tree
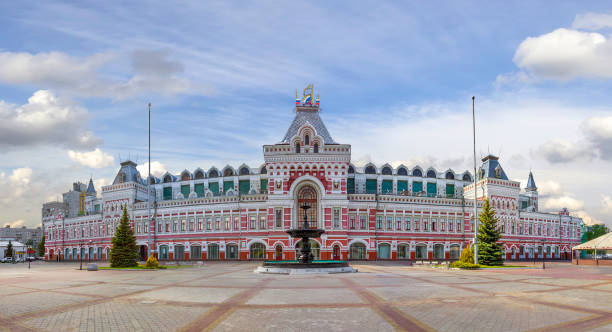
<point x="595" y="232"/>
<point x="9" y="249"/>
<point x="41" y="247"/>
<point x="29" y="242"/>
<point x="124" y="252"/>
<point x="489" y="250"/>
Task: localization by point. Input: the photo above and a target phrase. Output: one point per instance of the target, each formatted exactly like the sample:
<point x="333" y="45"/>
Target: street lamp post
<point x="81" y="254"/>
<point x="149" y="192"/>
<point x="27" y="253"/>
<point x="543" y="256"/>
<point x="475" y="188"/>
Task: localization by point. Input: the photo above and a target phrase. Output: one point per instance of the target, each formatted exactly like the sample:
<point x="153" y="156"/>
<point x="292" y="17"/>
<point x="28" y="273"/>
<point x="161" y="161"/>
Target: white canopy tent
<point x="603" y="242"/>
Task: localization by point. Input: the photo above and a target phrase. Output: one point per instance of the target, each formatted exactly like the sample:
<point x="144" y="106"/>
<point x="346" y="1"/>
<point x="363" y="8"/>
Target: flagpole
<point x="475" y="188"/>
<point x="149" y="192"/>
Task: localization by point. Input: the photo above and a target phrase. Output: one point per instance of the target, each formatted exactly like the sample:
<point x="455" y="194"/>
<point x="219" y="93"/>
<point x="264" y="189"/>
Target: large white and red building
<point x="369" y="212"/>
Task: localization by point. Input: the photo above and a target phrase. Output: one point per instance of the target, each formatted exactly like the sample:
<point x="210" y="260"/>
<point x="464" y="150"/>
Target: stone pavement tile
<point x="189" y="294"/>
<point x="373" y="280"/>
<point x="457" y="279"/>
<point x="315" y="281"/>
<point x="304" y="319"/>
<point x="488" y="314"/>
<point x="60" y="284"/>
<point x="306" y="296"/>
<point x="607" y="287"/>
<point x="603" y="328"/>
<point x="508" y="287"/>
<point x="117" y="316"/>
<point x="419" y="291"/>
<point x="581" y="298"/>
<point x="108" y="289"/>
<point x="564" y="281"/>
<point x="31" y="302"/>
<point x="10" y="290"/>
<point x="224" y="282"/>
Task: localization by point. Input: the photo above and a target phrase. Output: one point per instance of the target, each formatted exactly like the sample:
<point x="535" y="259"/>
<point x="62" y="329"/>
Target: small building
<point x="19" y="249"/>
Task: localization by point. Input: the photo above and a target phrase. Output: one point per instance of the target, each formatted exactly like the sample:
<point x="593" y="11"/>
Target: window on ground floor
<point x="403" y="251"/>
<point x="358" y="251"/>
<point x="455" y="251"/>
<point x="421" y="251"/>
<point x="384" y="251"/>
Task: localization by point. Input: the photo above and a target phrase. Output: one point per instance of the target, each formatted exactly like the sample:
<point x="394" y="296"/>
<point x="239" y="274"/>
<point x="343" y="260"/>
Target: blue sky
<point x="395" y="81"/>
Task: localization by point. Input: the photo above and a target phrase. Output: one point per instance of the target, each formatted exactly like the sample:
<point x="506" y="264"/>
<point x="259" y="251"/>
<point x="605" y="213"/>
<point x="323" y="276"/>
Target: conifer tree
<point x="41" y="247"/>
<point x="489" y="250"/>
<point x="124" y="252"/>
<point x="9" y="249"/>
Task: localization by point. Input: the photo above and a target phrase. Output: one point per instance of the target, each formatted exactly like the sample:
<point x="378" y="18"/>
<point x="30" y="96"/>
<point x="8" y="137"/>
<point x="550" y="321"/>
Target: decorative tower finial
<point x="307" y="95"/>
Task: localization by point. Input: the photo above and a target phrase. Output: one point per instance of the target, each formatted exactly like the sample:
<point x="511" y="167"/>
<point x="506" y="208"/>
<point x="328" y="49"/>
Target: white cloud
<point x="94" y="159"/>
<point x="606" y="205"/>
<point x="157" y="169"/>
<point x="558" y="203"/>
<point x="549" y="188"/>
<point x="563" y="151"/>
<point x="15" y="185"/>
<point x="592" y="21"/>
<point x="153" y="71"/>
<point x="565" y="54"/>
<point x="587" y="218"/>
<point x="14" y="224"/>
<point x="45" y="119"/>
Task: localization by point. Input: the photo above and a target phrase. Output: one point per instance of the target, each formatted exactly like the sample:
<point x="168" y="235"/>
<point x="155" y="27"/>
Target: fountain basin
<point x="296" y="267"/>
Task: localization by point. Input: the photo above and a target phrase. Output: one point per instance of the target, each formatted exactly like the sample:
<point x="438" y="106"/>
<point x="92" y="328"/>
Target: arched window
<point x="151" y="180"/>
<point x="297" y="147"/>
<point x="167" y="178"/>
<point x="450" y="175"/>
<point x="213" y="251"/>
<point x="244" y="171"/>
<point x="121" y="177"/>
<point x="370" y="170"/>
<point x="403" y="251"/>
<point x="384" y="251"/>
<point x="387" y="170"/>
<point x="357" y="251"/>
<point x="263" y="170"/>
<point x="421" y="251"/>
<point x="228" y="172"/>
<point x="213" y="174"/>
<point x="307" y="196"/>
<point x="431" y="173"/>
<point x="185" y="176"/>
<point x="454" y="251"/>
<point x="402" y="171"/>
<point x="257" y="251"/>
<point x="199" y="175"/>
<point x="417" y="172"/>
<point x="316" y="148"/>
<point x="439" y="251"/>
<point x="466" y="177"/>
<point x="351" y="170"/>
<point x="307" y="140"/>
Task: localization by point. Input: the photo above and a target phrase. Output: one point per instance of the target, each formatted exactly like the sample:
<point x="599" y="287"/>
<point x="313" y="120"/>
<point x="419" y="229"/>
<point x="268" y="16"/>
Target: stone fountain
<point x="304" y="263"/>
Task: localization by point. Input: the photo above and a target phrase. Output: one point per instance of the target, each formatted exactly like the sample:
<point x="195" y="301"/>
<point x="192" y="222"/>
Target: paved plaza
<point x="230" y="297"/>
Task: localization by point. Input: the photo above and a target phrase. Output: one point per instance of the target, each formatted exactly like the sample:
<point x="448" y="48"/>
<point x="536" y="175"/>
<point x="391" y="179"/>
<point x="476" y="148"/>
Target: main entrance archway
<point x="315" y="249"/>
<point x="307" y="195"/>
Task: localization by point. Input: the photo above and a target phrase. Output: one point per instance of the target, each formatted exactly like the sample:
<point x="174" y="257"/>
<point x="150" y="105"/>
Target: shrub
<point x="467" y="256"/>
<point x="152" y="263"/>
<point x="465" y="265"/>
